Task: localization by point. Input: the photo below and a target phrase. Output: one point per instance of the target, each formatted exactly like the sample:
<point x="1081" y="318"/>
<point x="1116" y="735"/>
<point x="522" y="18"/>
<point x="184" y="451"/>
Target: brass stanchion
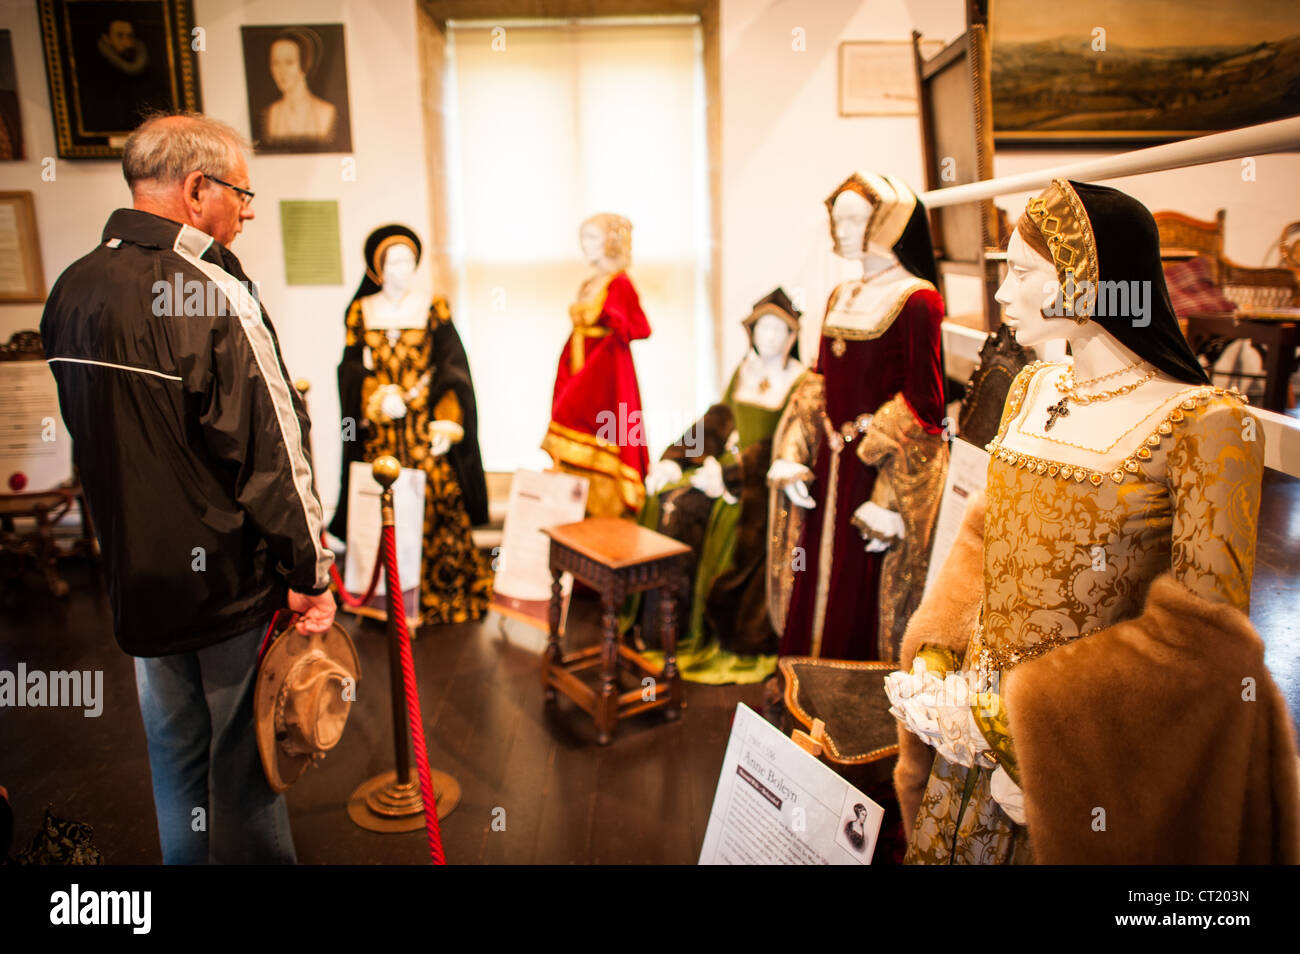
<point x="383" y="803"/>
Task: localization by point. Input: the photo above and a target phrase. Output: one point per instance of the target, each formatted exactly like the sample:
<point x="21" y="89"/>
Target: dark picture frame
<point x="1169" y="69"/>
<point x="110" y="61"/>
<point x="297" y="81"/>
<point x="11" y="117"/>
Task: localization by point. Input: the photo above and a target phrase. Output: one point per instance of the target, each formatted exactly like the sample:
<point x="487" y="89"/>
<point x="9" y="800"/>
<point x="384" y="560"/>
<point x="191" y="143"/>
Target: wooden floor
<point x="643" y="799"/>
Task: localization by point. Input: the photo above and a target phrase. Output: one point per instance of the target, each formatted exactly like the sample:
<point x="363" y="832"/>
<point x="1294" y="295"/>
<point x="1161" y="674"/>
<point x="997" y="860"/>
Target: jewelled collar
<point x="1129" y="465"/>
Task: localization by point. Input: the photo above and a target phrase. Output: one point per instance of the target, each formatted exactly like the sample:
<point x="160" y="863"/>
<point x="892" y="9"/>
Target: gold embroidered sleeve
<point x="990" y="714"/>
<point x="354" y="326"/>
<point x="798" y="433"/>
<point x="448" y="408"/>
<point x="1215" y="467"/>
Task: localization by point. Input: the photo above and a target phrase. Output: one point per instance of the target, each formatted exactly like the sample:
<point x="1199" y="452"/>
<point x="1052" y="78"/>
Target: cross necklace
<point x="1060" y="409"/>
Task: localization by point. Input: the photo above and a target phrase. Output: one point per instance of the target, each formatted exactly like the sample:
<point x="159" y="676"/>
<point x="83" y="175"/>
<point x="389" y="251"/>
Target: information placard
<point x="778" y="805"/>
<point x="365" y="524"/>
<point x="968" y="471"/>
<point x="522" y="588"/>
<point x="35" y="450"/>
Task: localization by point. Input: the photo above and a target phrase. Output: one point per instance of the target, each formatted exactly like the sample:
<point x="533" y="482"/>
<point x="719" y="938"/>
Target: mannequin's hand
<point x="708" y="478"/>
<point x="442" y="434"/>
<point x="881" y="528"/>
<point x="393" y="407"/>
<point x="1008" y="795"/>
<point x="799" y="496"/>
<point x="662" y="473"/>
<point x="793" y="479"/>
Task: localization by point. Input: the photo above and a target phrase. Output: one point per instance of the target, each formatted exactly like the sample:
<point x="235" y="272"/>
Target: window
<point x="547" y="123"/>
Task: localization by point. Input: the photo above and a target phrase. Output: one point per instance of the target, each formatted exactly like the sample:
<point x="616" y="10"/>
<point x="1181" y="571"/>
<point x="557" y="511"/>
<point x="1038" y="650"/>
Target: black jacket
<point x="191" y="442"/>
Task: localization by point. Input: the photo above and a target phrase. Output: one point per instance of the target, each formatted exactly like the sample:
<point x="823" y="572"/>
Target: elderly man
<point x="192" y="448"/>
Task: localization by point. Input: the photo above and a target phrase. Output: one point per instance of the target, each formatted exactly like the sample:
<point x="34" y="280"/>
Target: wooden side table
<point x="1273" y="329"/>
<point x="616" y="558"/>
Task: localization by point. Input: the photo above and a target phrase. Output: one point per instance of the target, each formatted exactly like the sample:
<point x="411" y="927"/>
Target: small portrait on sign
<point x="855" y="828"/>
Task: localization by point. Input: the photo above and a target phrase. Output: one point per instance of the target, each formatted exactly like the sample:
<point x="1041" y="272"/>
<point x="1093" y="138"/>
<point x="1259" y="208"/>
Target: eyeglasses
<point x="245" y="195"/>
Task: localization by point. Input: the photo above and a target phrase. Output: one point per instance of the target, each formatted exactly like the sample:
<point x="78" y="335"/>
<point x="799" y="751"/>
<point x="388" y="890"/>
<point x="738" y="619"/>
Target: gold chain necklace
<point x="1067" y="383"/>
<point x="1070" y="392"/>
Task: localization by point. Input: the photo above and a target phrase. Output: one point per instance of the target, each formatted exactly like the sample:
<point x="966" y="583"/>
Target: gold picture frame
<point x="110" y="61"/>
<point x="22" y="276"/>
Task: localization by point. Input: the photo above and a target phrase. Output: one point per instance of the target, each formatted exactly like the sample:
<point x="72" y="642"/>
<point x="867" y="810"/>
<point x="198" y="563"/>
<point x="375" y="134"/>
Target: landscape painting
<point x="1141" y="70"/>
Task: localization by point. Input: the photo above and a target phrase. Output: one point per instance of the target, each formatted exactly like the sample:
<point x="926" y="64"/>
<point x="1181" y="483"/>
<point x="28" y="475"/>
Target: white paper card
<point x="365" y="522"/>
<point x="778" y="805"/>
<point x="33" y="440"/>
<point x="537" y="500"/>
<point x="968" y="473"/>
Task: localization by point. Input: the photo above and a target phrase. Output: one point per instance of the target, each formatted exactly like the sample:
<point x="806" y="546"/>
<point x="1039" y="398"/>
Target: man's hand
<point x="316" y="613"/>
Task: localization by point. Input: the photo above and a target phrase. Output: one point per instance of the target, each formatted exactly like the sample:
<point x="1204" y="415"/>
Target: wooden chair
<point x="1205" y="238"/>
<point x="1253" y="288"/>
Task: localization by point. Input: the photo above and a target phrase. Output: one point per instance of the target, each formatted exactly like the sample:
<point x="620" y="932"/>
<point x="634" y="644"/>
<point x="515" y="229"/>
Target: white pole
<point x="1282" y="135"/>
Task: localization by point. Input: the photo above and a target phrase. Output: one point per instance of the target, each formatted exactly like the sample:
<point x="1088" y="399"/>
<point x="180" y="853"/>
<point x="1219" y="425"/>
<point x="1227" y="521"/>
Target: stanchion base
<point x="381" y="804"/>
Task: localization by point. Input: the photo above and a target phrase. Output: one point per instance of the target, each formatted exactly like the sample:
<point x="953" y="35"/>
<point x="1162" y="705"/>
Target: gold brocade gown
<point x="456" y="580"/>
<point x="1068" y="552"/>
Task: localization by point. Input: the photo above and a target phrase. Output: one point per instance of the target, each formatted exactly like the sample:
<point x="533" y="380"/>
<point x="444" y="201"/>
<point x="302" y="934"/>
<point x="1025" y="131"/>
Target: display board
<point x="968" y="469"/>
<point x="35" y="450"/>
<point x="522" y="587"/>
<point x="777" y="805"/>
<point x="365" y="524"/>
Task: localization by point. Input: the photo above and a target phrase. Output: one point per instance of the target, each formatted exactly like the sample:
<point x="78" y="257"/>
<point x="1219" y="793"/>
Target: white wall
<point x="390" y="186"/>
<point x="785" y="148"/>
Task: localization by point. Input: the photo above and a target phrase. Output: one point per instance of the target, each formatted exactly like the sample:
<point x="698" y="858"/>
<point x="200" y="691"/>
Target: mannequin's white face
<point x="399" y="268"/>
<point x="1030" y="286"/>
<point x="849" y="217"/>
<point x="771" y="336"/>
<point x="592" y="239"/>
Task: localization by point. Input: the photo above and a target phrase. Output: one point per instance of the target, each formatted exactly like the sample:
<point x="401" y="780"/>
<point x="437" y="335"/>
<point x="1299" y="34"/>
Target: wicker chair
<point x="1253" y="288"/>
<point x="1260" y="288"/>
<point x="1201" y="236"/>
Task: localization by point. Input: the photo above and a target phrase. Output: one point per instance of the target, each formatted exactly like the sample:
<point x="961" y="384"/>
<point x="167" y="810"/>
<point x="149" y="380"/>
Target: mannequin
<point x="596" y="430"/>
<point x="405" y="381"/>
<point x="832" y="594"/>
<point x="1097" y="598"/>
<point x="709" y="491"/>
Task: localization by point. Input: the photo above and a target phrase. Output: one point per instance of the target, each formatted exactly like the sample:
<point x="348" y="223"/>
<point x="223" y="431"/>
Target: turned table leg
<point x="668" y="634"/>
<point x="607" y="703"/>
<point x="551" y="657"/>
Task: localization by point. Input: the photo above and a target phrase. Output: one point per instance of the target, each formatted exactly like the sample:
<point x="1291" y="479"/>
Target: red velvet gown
<point x="596" y="427"/>
<point x="866" y="374"/>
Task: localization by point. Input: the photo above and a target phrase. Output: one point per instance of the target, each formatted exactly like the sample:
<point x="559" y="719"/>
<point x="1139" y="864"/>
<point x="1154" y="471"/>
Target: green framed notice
<point x="309" y="229"/>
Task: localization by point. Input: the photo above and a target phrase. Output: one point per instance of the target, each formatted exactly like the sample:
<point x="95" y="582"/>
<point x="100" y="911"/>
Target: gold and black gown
<point x="428" y="364"/>
<point x="1069" y="551"/>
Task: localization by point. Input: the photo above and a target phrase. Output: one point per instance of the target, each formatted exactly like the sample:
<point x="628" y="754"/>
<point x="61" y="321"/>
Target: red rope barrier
<point x="388" y="547"/>
<point x="347" y="598"/>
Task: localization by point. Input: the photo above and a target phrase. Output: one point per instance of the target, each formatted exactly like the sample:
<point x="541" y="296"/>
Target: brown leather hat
<point x="301" y="702"/>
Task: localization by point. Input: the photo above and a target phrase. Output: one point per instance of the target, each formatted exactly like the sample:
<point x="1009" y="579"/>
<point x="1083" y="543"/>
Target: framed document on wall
<point x="111" y="61"/>
<point x="22" y="279"/>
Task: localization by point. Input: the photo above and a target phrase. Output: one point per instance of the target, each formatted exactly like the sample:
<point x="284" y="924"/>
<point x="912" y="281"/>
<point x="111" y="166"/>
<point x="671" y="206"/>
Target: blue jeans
<point x="198" y="718"/>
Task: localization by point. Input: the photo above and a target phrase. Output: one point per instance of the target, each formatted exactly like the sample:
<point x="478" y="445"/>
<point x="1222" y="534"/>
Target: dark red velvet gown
<point x="905" y="358"/>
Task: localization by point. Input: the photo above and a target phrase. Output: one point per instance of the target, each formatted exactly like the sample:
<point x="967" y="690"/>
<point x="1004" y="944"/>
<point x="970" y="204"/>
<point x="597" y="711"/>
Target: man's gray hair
<point x="167" y="147"/>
